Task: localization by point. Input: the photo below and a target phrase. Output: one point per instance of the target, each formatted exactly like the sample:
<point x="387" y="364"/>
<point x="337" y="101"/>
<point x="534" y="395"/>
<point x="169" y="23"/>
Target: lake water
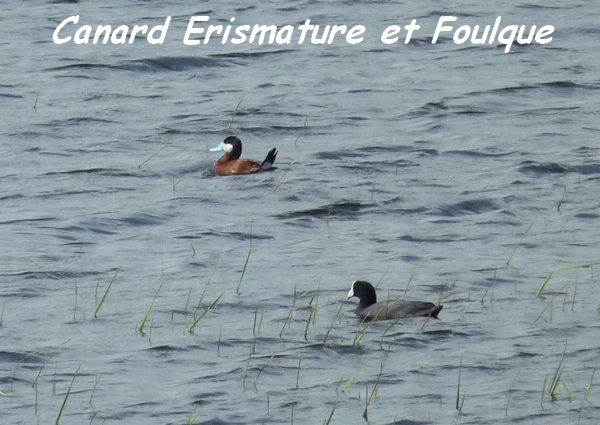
<point x="137" y="287"/>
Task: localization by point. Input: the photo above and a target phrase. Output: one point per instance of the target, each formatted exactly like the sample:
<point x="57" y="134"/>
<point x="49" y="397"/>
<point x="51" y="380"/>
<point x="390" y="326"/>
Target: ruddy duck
<point x="369" y="309"/>
<point x="231" y="164"/>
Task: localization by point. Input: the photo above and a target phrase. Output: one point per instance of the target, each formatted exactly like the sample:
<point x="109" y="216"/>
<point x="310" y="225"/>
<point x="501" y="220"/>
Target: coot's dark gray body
<point x="369" y="309"/>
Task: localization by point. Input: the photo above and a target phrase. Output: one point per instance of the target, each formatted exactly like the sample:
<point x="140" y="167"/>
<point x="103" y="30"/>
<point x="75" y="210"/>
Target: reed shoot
<point x="514" y="251"/>
<point x="255" y="382"/>
<point x="145" y="319"/>
<point x="152" y="156"/>
<point x="199" y="305"/>
<point x="491" y="287"/>
<point x="510" y="391"/>
<point x="303" y="128"/>
<point x="562" y="269"/>
<point x="191" y="328"/>
<point x="459" y="402"/>
<point x="588" y="388"/>
<point x="234" y="112"/>
<point x="99" y="307"/>
<point x="187" y="301"/>
<point x="349" y="382"/>
<point x="311" y="317"/>
<point x="328" y="420"/>
<point x="555" y="384"/>
<point x="288" y="319"/>
<point x="94" y="389"/>
<point x="192" y="418"/>
<point x="298" y="373"/>
<point x="74" y="307"/>
<point x="375" y="389"/>
<point x="219" y="345"/>
<point x="237" y="290"/>
<point x="256" y="329"/>
<point x="64" y="403"/>
<point x="280" y="182"/>
<point x="361" y="334"/>
<point x="339" y="310"/>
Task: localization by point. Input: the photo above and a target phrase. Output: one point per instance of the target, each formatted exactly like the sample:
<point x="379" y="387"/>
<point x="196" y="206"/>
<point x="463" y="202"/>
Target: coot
<point x="369" y="309"/>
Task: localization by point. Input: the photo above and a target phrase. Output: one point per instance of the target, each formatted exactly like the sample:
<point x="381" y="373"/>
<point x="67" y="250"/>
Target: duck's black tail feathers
<point x="435" y="311"/>
<point x="267" y="164"/>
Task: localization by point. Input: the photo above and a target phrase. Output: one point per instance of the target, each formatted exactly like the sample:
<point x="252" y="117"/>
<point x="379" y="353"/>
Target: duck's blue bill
<point x="218" y="148"/>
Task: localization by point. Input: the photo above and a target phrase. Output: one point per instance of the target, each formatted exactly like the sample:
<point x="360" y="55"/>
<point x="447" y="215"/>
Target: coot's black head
<point x="365" y="293"/>
<point x="232" y="145"/>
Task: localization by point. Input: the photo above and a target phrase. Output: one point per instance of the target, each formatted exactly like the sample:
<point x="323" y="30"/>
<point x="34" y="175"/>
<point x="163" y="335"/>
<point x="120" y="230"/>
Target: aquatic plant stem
<point x="554" y="385"/>
<point x="237" y="290"/>
<point x="459" y="402"/>
<point x="280" y="182"/>
<point x="562" y="269"/>
<point x="256" y="330"/>
<point x="192" y="418"/>
<point x="328" y="420"/>
<point x="99" y="307"/>
<point x="511" y="389"/>
<point x="74" y="307"/>
<point x="311" y="317"/>
<point x="145" y="319"/>
<point x="153" y="155"/>
<point x="298" y="373"/>
<point x="255" y="382"/>
<point x="369" y="397"/>
<point x="234" y="112"/>
<point x="289" y="318"/>
<point x="337" y="314"/>
<point x="64" y="403"/>
<point x="349" y="381"/>
<point x="361" y="334"/>
<point x="586" y="395"/>
<point x="94" y="389"/>
<point x="491" y="287"/>
<point x="192" y="328"/>
<point x="518" y="245"/>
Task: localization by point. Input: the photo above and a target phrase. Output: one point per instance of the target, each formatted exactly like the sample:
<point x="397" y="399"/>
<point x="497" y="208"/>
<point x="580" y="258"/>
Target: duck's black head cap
<point x="233" y="146"/>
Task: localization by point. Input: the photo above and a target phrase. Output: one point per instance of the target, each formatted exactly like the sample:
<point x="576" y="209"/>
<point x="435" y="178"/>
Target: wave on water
<point x="480" y="154"/>
<point x="157" y="64"/>
<point x="343" y="209"/>
<point x="171" y="63"/>
<point x="251" y="54"/>
<point x="558" y="84"/>
<point x="20" y="357"/>
<point x="474" y="206"/>
<point x="543" y="167"/>
<point x="51" y="274"/>
<point x="235" y="235"/>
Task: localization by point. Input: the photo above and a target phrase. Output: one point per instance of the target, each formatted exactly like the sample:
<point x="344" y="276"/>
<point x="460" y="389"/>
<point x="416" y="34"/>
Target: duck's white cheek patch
<point x="227" y="148"/>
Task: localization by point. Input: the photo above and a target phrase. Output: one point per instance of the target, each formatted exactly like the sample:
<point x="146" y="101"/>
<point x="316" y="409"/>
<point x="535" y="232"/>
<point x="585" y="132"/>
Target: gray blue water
<point x="136" y="287"/>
